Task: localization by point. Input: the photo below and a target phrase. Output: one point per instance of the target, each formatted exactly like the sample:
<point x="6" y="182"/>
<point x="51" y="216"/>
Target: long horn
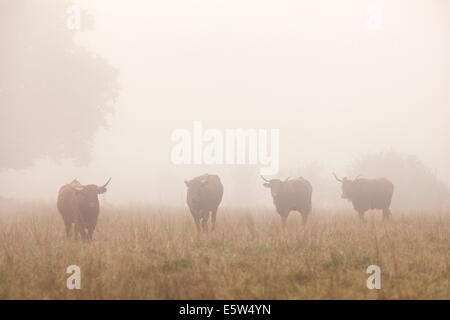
<point x="334" y="174"/>
<point x="265" y="179"/>
<point x="106" y="183"/>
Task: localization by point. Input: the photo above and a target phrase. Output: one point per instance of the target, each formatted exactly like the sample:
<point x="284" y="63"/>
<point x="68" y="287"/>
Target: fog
<point x="336" y="88"/>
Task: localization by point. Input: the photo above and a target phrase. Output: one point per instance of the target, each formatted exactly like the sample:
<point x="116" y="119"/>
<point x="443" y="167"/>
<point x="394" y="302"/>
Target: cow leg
<point x="91" y="228"/>
<point x="68" y="225"/>
<point x="304" y="218"/>
<point x="79" y="228"/>
<point x="284" y="218"/>
<point x="386" y="213"/>
<point x="78" y="221"/>
<point x="84" y="235"/>
<point x="213" y="219"/>
<point x="68" y="229"/>
<point x="90" y="232"/>
<point x="361" y="216"/>
<point x="197" y="223"/>
<point x="205" y="221"/>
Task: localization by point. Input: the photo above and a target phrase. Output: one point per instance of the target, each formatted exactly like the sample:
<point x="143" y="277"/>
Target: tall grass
<point x="141" y="252"/>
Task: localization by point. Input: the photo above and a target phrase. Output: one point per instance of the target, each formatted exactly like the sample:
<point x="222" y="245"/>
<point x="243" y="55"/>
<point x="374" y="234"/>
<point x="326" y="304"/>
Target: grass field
<point x="142" y="252"/>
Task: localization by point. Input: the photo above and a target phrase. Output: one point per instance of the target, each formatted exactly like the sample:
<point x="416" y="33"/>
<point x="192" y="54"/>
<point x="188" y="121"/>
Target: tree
<point x="54" y="94"/>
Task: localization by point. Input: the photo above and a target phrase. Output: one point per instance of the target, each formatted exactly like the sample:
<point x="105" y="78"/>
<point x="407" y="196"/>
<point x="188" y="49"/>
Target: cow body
<point x="79" y="207"/>
<point x="291" y="195"/>
<point x="368" y="194"/>
<point x="204" y="195"/>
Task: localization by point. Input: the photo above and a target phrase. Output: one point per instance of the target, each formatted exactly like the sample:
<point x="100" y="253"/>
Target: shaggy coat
<point x="79" y="207"/>
<point x="367" y="194"/>
<point x="204" y="194"/>
<point x="291" y="195"/>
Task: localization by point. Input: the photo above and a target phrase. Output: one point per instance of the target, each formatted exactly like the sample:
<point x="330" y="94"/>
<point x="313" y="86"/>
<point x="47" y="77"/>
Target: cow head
<point x="195" y="188"/>
<point x="89" y="192"/>
<point x="347" y="187"/>
<point x="275" y="185"/>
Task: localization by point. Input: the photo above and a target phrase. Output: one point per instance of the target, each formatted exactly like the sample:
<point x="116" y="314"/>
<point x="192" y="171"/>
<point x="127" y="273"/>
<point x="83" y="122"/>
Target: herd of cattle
<point x="79" y="206"/>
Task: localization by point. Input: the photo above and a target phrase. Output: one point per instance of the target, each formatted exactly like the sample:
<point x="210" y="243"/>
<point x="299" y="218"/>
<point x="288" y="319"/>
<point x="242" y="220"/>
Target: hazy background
<point x="346" y="98"/>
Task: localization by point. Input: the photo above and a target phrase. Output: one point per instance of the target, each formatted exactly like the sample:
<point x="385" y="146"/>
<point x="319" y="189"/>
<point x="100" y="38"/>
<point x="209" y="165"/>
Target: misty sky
<point x="335" y="88"/>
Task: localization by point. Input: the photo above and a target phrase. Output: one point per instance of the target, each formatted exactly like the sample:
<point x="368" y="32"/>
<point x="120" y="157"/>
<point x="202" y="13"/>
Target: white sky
<point x="334" y="88"/>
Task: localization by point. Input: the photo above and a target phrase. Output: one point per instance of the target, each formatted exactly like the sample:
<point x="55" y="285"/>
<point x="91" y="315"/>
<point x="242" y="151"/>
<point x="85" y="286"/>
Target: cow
<point x="366" y="194"/>
<point x="290" y="195"/>
<point x="204" y="194"/>
<point x="78" y="205"/>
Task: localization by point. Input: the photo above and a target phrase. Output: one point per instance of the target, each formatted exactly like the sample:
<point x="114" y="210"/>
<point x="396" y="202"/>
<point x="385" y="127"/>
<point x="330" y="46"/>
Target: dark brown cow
<point x="366" y="194"/>
<point x="204" y="195"/>
<point x="78" y="205"/>
<point x="290" y="195"/>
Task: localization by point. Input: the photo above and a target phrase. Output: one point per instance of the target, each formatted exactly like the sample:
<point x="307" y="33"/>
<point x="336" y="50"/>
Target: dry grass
<point x="148" y="253"/>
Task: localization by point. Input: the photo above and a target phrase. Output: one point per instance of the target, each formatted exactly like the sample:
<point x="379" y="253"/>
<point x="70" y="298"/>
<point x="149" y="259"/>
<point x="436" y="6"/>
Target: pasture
<point x="144" y="252"/>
